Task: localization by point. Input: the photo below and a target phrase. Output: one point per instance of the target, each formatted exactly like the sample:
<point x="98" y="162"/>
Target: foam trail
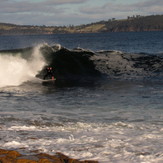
<point x="14" y="70"/>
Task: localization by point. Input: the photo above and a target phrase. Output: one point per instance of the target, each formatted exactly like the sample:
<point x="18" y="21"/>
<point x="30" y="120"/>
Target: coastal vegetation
<point x="134" y="23"/>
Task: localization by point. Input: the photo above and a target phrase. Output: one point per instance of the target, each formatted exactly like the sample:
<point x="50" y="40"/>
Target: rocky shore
<point x="11" y="156"/>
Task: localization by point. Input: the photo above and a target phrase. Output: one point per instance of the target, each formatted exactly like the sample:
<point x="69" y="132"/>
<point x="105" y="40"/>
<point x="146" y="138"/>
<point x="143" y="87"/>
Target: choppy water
<point x="113" y="120"/>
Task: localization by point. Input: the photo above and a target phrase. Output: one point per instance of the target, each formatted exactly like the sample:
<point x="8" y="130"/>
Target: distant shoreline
<point x="131" y="24"/>
<point x="32" y="34"/>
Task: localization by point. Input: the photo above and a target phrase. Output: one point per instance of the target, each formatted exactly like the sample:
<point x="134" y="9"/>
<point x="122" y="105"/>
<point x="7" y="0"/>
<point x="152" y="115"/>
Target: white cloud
<point x="62" y="2"/>
<point x="10" y="6"/>
<point x="112" y="9"/>
<point x="65" y="12"/>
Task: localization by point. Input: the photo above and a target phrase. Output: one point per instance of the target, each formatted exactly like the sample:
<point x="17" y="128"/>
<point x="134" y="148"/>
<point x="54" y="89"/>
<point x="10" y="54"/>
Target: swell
<point x="121" y="65"/>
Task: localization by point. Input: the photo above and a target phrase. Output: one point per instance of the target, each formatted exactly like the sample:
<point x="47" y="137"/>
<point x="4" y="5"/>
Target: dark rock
<point x="11" y="156"/>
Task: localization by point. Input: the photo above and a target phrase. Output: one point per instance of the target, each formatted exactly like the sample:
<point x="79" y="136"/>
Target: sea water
<point x="109" y="121"/>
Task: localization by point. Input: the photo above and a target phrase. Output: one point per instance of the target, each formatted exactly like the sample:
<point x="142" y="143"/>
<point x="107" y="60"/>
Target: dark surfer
<point x="49" y="74"/>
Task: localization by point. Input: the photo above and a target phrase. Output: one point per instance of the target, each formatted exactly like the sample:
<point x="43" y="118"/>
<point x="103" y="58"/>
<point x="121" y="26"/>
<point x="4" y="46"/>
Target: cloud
<point x="48" y="12"/>
<point x="61" y="2"/>
<point x="10" y="6"/>
<point x="46" y="19"/>
<point x="150" y="6"/>
<point x="65" y="12"/>
<point x="111" y="8"/>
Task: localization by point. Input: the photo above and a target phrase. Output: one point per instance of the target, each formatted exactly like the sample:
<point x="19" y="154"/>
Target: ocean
<point x="106" y="103"/>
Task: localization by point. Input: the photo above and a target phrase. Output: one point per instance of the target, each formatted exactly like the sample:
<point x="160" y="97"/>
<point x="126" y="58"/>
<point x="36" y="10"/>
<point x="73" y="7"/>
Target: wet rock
<point x="11" y="156"/>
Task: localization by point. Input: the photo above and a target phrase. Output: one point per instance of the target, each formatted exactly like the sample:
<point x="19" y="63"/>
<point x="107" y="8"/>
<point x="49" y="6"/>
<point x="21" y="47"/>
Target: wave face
<point x="70" y="66"/>
<point x="19" y="66"/>
<point x="129" y="66"/>
<point x="76" y="65"/>
<point x="84" y="64"/>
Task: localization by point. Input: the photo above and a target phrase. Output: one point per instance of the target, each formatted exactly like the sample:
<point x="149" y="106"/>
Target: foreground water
<point x="113" y="120"/>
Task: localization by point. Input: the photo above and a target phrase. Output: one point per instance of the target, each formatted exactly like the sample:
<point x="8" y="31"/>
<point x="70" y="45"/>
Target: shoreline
<point x="37" y="34"/>
<point x="13" y="156"/>
<point x="135" y="23"/>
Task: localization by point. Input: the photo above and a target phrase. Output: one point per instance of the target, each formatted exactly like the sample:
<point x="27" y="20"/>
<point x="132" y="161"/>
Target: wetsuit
<point x="49" y="73"/>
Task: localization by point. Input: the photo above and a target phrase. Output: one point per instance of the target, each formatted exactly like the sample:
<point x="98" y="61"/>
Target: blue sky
<point x="76" y="12"/>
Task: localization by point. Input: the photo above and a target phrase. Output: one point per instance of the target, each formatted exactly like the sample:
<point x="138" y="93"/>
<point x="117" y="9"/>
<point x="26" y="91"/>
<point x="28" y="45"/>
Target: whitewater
<point x="105" y="105"/>
<point x="15" y="70"/>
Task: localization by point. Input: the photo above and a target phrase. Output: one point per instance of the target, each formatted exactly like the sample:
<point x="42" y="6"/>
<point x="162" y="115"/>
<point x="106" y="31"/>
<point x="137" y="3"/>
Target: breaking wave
<point x="16" y="69"/>
<point x="76" y="65"/>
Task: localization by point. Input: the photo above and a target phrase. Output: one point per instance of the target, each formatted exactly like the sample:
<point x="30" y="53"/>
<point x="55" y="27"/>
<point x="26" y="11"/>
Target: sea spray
<point x="14" y="70"/>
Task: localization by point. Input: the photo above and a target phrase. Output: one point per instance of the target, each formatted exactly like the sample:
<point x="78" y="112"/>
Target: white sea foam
<point x="114" y="142"/>
<point x="14" y="70"/>
<point x="15" y="144"/>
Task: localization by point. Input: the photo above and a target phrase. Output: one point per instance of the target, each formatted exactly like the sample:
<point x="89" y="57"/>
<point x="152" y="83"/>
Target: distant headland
<point x="134" y="23"/>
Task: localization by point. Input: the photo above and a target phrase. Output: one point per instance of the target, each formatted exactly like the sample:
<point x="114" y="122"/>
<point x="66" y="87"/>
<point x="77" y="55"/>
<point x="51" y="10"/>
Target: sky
<point x="73" y="12"/>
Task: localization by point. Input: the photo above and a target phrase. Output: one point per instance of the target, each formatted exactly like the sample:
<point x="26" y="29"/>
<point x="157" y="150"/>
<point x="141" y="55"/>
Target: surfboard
<point x="48" y="81"/>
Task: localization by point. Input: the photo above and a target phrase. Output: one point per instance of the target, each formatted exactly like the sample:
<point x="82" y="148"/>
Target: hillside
<point x="11" y="29"/>
<point x="138" y="23"/>
<point x="134" y="23"/>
